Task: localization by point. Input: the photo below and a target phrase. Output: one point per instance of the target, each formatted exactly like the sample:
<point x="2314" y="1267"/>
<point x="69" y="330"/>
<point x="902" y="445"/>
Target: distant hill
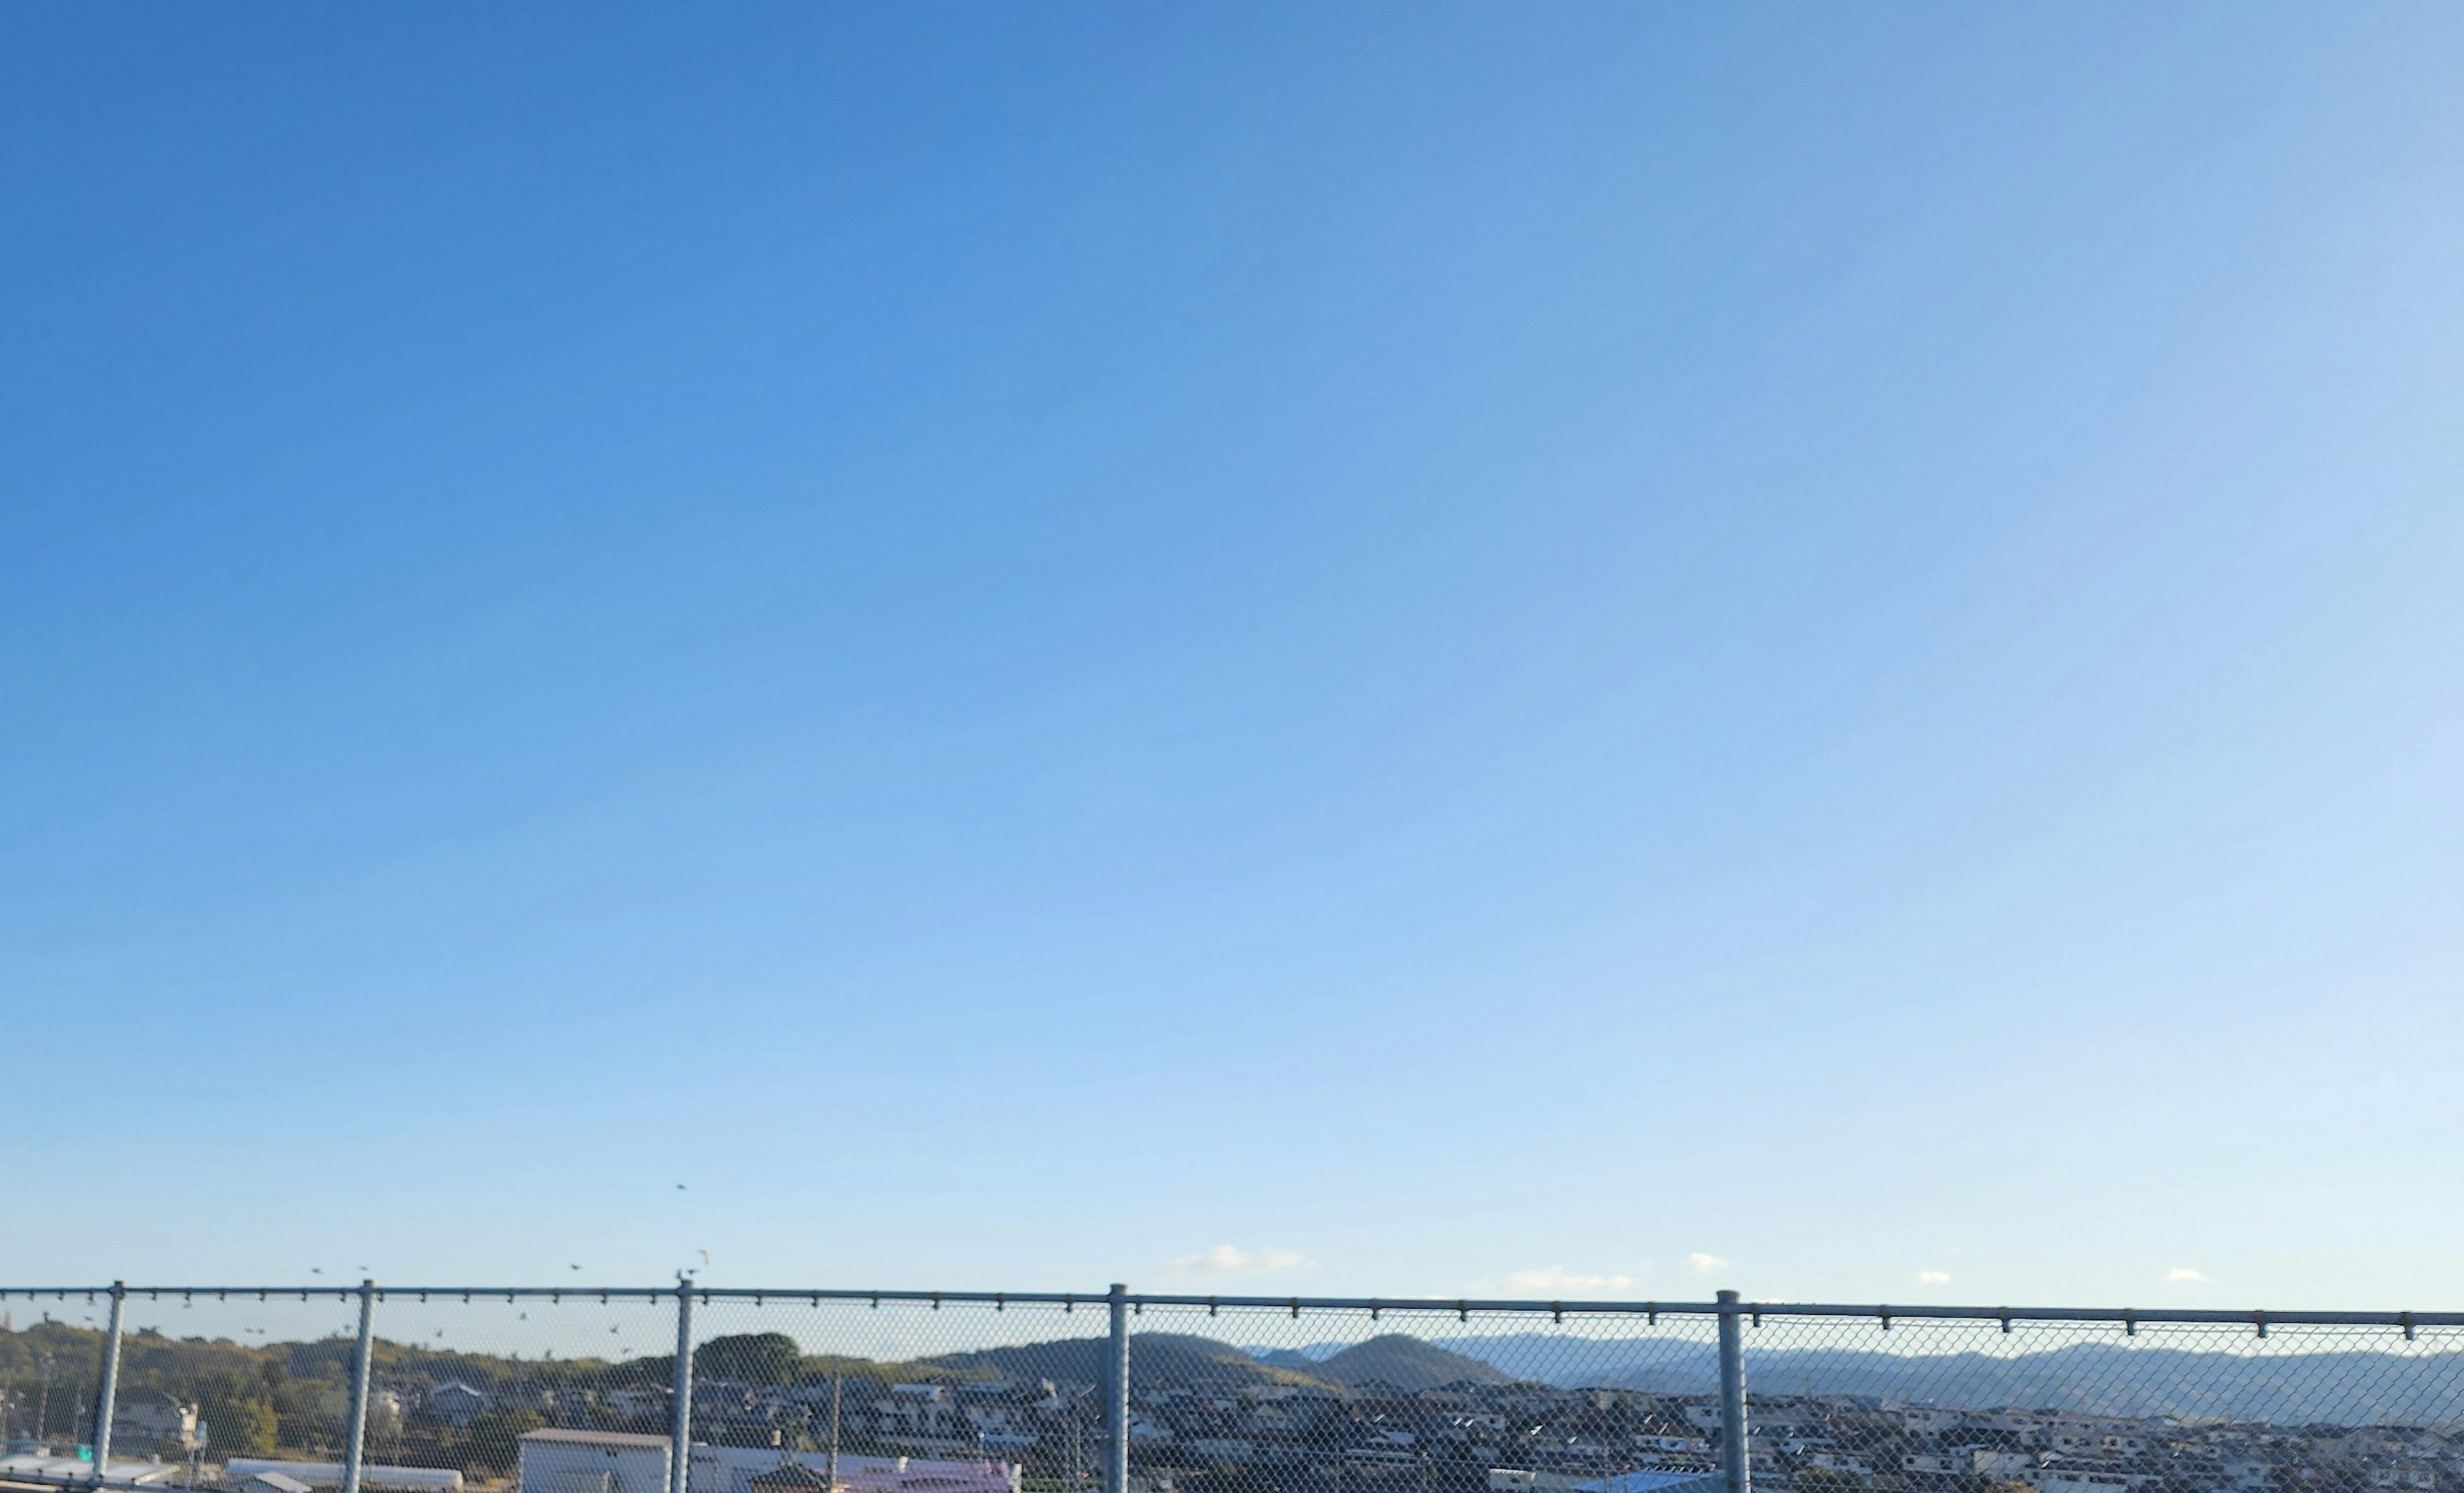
<point x="1404" y="1362"/>
<point x="1175" y="1357"/>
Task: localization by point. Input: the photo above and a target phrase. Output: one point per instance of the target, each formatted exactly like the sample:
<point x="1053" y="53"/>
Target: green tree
<point x="750" y="1357"/>
<point x="239" y="1425"/>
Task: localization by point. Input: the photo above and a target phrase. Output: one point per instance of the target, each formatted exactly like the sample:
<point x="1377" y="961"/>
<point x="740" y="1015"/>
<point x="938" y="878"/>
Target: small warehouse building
<point x="592" y="1462"/>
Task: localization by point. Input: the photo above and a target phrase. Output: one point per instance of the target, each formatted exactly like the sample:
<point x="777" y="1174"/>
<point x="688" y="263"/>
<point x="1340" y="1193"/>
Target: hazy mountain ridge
<point x="2351" y="1387"/>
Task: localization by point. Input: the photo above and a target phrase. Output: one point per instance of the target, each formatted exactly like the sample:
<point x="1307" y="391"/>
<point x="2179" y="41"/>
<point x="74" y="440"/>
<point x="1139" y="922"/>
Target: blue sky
<point x="1433" y="649"/>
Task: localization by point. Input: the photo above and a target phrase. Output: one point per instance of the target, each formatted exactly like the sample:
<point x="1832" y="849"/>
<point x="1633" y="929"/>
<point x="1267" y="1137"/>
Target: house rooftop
<point x="596" y="1438"/>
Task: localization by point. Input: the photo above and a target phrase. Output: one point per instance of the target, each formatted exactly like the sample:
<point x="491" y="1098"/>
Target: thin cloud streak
<point x="1553" y="1280"/>
<point x="1230" y="1260"/>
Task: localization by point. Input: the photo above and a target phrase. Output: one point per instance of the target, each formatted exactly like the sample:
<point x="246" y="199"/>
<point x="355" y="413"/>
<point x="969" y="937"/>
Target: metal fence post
<point x="680" y="1443"/>
<point x="1736" y="1464"/>
<point x="107" y="1394"/>
<point x="355" y="1443"/>
<point x="833" y="1472"/>
<point x="1117" y="1396"/>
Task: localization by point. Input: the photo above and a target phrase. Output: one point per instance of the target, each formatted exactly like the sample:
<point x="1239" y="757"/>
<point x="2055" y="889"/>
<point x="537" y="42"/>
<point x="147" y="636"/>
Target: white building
<point x="592" y="1462"/>
<point x="41" y="1466"/>
<point x="329" y="1475"/>
<point x="731" y="1469"/>
<point x="614" y="1462"/>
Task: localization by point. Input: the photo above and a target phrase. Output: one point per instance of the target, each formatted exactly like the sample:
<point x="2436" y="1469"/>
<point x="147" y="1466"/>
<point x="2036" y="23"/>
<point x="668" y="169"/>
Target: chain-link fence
<point x="578" y="1390"/>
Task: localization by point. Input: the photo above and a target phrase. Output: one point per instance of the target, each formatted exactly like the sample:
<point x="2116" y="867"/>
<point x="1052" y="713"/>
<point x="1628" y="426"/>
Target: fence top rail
<point x="1375" y="1305"/>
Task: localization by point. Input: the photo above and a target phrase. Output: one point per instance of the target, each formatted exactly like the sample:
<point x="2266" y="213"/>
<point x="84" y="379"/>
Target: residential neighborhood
<point x="1508" y="1437"/>
<point x="1202" y="1418"/>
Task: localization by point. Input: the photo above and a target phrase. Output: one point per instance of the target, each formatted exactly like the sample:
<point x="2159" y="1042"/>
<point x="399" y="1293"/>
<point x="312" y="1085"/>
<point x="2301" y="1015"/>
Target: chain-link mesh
<point x="202" y="1379"/>
<point x="898" y="1397"/>
<point x="569" y="1392"/>
<point x="50" y="1361"/>
<point x="1264" y="1400"/>
<point x="1840" y="1404"/>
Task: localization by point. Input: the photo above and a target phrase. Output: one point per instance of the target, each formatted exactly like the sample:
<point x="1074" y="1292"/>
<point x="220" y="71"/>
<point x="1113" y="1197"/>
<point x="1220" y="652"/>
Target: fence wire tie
<point x="876" y="1301"/>
<point x="1296" y="1308"/>
<point x="1069" y="1304"/>
<point x="2129" y="1322"/>
<point x="757" y="1297"/>
<point x="937" y="1300"/>
<point x="2006" y="1320"/>
<point x="1373" y="1309"/>
<point x="1001" y="1301"/>
<point x="1885" y="1313"/>
<point x="1557" y="1312"/>
<point x="556" y="1298"/>
<point x="816" y="1298"/>
<point x="1758" y="1316"/>
<point x="1210" y="1306"/>
<point x="1651" y="1314"/>
<point x="2260" y="1317"/>
<point x="1462" y="1311"/>
<point x="2404" y="1320"/>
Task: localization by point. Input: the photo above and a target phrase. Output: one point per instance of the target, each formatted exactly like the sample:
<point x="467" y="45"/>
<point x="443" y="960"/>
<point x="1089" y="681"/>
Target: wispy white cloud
<point x="1934" y="1277"/>
<point x="1698" y="1261"/>
<point x="2183" y="1273"/>
<point x="1558" y="1277"/>
<point x="1225" y="1259"/>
